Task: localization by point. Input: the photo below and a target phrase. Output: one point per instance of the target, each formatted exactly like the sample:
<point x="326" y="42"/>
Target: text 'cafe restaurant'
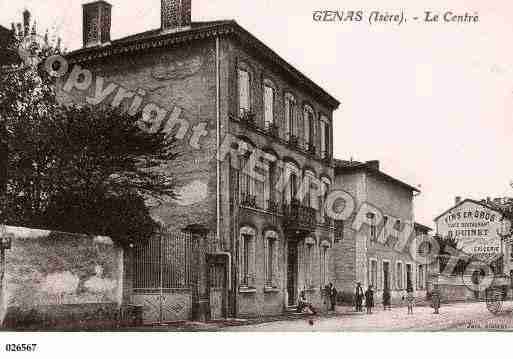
<point x="481" y="231"/>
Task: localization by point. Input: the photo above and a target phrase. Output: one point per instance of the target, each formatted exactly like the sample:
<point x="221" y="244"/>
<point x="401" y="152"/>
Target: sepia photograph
<point x="187" y="166"/>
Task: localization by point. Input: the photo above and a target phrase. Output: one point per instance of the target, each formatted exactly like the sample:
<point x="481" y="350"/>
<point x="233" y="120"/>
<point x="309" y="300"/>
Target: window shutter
<point x="244" y="90"/>
<point x="268" y="105"/>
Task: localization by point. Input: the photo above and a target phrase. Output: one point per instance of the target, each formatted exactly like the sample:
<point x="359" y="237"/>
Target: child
<point x="410" y="299"/>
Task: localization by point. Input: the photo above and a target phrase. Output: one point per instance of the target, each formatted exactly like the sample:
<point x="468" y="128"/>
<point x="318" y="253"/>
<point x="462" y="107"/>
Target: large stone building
<point x="221" y="91"/>
<point x="373" y="253"/>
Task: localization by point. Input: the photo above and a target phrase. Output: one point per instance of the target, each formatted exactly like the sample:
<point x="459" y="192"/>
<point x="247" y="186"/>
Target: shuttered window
<point x="243" y="79"/>
<point x="268" y="105"/>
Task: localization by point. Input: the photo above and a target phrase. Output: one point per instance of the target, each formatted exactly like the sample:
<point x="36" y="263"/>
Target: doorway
<point x="386" y="276"/>
<point x="292" y="273"/>
<point x="409" y="282"/>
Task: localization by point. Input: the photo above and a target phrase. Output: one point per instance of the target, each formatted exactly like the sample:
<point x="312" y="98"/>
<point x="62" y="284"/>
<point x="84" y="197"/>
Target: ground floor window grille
<point x="246" y="255"/>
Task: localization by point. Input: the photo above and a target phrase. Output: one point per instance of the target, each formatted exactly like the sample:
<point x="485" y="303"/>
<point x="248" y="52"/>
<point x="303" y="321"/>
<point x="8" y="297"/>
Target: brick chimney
<point x="457" y="200"/>
<point x="373" y="164"/>
<point x="175" y="15"/>
<point x="96" y="23"/>
<point x="26" y="22"/>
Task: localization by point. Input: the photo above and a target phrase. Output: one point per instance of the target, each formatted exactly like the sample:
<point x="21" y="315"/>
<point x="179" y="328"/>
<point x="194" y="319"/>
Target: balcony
<point x="298" y="219"/>
<point x="271" y="129"/>
<point x="248" y="200"/>
<point x="247" y="118"/>
<point x="326" y="157"/>
<point x="293" y="141"/>
<point x="310" y="148"/>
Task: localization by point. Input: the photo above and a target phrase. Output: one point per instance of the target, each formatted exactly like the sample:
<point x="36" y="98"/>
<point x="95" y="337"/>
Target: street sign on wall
<point x="476" y="228"/>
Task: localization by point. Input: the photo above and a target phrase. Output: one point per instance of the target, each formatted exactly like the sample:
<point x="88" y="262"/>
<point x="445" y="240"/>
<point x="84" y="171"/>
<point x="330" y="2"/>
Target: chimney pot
<point x="175" y="14"/>
<point x="373" y="164"/>
<point x="96" y="23"/>
<point x="26" y="22"/>
<point x="457" y="200"/>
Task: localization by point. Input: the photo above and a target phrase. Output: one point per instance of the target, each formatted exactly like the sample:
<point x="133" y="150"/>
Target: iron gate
<point x="165" y="275"/>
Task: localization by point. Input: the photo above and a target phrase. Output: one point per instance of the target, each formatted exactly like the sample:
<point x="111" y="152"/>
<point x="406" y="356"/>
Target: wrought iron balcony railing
<point x="297" y="217"/>
<point x="272" y="129"/>
<point x="247" y="117"/>
<point x="248" y="200"/>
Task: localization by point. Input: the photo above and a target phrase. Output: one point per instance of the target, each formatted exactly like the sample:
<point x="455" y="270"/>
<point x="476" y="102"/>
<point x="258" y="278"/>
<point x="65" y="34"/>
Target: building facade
<point x="480" y="231"/>
<point x="255" y="137"/>
<point x="378" y="237"/>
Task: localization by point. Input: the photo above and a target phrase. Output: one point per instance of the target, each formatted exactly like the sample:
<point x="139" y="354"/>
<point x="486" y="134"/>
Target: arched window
<point x="269" y="194"/>
<point x="325" y="137"/>
<point x="269" y="102"/>
<point x="323" y="261"/>
<point x="247" y="243"/>
<point x="309" y="128"/>
<point x="290" y="115"/>
<point x="271" y="259"/>
<point x="244" y="89"/>
<point x="309" y="261"/>
<point x="290" y="178"/>
<point x="309" y="189"/>
<point x="326" y="184"/>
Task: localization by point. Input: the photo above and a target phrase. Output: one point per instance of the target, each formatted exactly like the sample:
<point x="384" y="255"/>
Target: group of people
<point x="368" y="296"/>
<point x="303" y="305"/>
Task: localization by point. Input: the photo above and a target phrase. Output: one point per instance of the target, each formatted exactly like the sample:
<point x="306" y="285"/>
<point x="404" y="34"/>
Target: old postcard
<point x="236" y="166"/>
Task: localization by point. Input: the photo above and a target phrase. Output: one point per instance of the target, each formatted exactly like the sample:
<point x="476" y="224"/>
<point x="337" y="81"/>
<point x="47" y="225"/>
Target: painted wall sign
<point x="475" y="227"/>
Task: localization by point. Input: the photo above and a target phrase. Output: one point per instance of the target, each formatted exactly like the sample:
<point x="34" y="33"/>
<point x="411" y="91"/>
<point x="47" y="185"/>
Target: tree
<point x="78" y="168"/>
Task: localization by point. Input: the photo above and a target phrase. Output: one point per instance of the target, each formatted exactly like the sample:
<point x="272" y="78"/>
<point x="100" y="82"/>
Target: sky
<point x="432" y="101"/>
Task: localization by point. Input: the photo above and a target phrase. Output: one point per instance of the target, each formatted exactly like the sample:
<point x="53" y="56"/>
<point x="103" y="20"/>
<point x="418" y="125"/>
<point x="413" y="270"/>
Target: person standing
<point x="410" y="299"/>
<point x="358" y="297"/>
<point x="435" y="299"/>
<point x="333" y="296"/>
<point x="386" y="299"/>
<point x="369" y="299"/>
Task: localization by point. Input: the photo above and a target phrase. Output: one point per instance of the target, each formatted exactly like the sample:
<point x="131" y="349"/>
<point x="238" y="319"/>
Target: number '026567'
<point x="20" y="347"/>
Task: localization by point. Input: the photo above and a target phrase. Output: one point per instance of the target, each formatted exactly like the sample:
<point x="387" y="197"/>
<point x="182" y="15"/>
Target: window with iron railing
<point x="309" y="128"/>
<point x="268" y="106"/>
<point x="246" y="256"/>
<point x="325" y="137"/>
<point x="290" y="110"/>
<point x="244" y="92"/>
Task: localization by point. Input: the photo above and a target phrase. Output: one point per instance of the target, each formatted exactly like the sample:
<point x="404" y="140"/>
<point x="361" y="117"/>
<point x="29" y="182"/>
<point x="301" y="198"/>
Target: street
<point x="461" y="316"/>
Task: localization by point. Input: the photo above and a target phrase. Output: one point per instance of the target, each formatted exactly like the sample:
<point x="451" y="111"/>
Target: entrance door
<point x="292" y="273"/>
<point x="218" y="292"/>
<point x="386" y="275"/>
<point x="409" y="283"/>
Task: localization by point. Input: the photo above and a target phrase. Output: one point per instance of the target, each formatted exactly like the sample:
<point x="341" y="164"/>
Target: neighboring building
<point x="369" y="255"/>
<point x="263" y="246"/>
<point x="477" y="228"/>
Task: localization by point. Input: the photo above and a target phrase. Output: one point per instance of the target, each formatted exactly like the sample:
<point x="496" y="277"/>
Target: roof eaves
<point x="155" y="39"/>
<point x="471" y="201"/>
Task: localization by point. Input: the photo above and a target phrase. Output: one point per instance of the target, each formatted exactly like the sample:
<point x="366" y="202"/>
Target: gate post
<point x="200" y="295"/>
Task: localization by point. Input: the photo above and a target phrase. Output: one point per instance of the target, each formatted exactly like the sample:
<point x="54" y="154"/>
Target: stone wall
<point x="60" y="279"/>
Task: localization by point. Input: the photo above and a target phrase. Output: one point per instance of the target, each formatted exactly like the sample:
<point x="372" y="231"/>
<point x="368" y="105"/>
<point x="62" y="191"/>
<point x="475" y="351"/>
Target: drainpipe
<point x="218" y="144"/>
<point x="227" y="254"/>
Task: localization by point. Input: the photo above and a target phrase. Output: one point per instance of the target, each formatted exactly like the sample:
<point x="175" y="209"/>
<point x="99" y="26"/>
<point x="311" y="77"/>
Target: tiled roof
<point x="199" y="30"/>
<point x="343" y="166"/>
